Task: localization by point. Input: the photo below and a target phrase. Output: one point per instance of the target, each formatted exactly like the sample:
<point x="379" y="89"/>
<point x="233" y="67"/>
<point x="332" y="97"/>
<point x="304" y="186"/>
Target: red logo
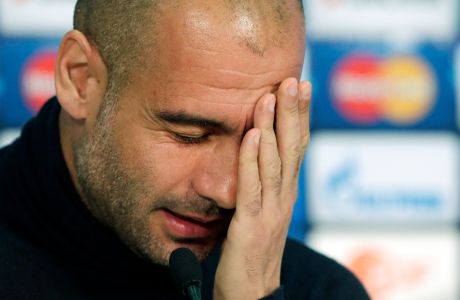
<point x="38" y="79"/>
<point x="383" y="274"/>
<point x="367" y="89"/>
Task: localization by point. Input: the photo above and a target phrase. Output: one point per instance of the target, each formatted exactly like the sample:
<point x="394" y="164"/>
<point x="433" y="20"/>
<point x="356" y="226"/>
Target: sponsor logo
<point x="384" y="273"/>
<point x="37" y="80"/>
<point x="367" y="89"/>
<point x="396" y="264"/>
<point x="36" y="17"/>
<point x="370" y="178"/>
<point x="411" y="21"/>
<point x="347" y="193"/>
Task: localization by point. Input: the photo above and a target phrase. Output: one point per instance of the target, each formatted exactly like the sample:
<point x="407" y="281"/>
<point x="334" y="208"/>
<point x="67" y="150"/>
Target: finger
<point x="288" y="131"/>
<point x="269" y="160"/>
<point x="305" y="92"/>
<point x="248" y="197"/>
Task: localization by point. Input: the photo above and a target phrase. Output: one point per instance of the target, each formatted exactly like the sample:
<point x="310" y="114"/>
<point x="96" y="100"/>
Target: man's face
<point x="162" y="169"/>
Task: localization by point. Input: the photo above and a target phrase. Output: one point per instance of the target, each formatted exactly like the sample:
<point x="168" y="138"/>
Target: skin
<point x="131" y="164"/>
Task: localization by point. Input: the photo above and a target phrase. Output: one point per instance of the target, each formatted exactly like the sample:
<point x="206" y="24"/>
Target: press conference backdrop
<point x="379" y="190"/>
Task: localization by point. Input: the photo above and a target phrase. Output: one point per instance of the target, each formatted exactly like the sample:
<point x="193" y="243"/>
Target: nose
<point x="215" y="176"/>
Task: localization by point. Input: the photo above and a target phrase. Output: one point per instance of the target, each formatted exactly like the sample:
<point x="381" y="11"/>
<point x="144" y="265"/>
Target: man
<point x="163" y="135"/>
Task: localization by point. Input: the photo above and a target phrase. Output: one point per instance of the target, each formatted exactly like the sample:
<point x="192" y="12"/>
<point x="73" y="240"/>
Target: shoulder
<point x="27" y="271"/>
<point x="307" y="274"/>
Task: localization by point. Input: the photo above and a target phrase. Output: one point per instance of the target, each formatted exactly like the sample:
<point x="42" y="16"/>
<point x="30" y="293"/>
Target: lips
<point x="191" y="226"/>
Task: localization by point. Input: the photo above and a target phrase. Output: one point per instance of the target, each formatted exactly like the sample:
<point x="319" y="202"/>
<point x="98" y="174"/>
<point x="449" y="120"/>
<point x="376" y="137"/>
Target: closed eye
<point x="188" y="139"/>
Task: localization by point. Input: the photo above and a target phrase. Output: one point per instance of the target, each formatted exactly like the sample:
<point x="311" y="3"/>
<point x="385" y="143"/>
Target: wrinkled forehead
<point x="234" y="51"/>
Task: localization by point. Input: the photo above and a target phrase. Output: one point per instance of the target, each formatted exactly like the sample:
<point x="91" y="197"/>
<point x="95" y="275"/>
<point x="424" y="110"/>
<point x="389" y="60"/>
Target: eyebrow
<point x="183" y="118"/>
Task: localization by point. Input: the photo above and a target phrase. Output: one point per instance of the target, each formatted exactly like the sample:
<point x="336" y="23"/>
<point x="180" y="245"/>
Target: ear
<point x="80" y="76"/>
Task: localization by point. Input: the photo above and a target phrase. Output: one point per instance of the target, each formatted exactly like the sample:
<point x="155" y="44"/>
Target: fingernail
<point x="292" y="89"/>
<point x="271" y="104"/>
<point x="257" y="138"/>
<point x="304" y="93"/>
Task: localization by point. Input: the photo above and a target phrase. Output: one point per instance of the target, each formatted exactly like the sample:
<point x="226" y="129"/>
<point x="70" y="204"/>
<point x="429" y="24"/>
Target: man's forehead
<point x="204" y="54"/>
<point x="208" y="33"/>
<point x="248" y="19"/>
<point x="203" y="65"/>
<point x="208" y="84"/>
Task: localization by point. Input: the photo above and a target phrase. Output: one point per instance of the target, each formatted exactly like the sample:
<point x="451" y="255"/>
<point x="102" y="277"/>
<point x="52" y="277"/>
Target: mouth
<point x="191" y="226"/>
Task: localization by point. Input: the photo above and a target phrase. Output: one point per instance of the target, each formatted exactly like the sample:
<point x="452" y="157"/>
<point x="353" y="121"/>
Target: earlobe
<point x="75" y="75"/>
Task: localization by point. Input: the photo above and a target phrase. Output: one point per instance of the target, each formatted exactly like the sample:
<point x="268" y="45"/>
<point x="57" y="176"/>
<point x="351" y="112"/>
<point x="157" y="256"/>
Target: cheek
<point x="161" y="165"/>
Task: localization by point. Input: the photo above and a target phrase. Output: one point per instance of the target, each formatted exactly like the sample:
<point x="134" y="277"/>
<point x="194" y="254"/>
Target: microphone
<point x="186" y="272"/>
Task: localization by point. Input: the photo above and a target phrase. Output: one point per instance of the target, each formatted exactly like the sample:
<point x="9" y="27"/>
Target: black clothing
<point x="51" y="247"/>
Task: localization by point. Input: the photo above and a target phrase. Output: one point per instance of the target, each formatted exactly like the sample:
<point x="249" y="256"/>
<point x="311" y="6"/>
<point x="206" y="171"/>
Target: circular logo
<point x="366" y="89"/>
<point x="38" y="79"/>
<point x="355" y="88"/>
<point x="410" y="90"/>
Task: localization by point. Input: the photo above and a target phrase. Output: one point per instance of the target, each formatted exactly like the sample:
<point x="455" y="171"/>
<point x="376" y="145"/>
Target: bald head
<point x="157" y="96"/>
<point x="260" y="24"/>
<point x="125" y="31"/>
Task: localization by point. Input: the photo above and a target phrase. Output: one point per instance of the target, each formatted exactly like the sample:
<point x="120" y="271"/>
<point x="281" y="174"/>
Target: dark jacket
<point x="51" y="247"/>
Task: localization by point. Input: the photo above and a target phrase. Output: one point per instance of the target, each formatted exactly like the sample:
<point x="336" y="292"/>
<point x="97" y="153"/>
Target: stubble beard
<point x="109" y="192"/>
<point x="120" y="201"/>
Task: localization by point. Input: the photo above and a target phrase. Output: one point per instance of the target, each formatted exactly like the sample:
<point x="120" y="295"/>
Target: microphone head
<point x="185" y="268"/>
